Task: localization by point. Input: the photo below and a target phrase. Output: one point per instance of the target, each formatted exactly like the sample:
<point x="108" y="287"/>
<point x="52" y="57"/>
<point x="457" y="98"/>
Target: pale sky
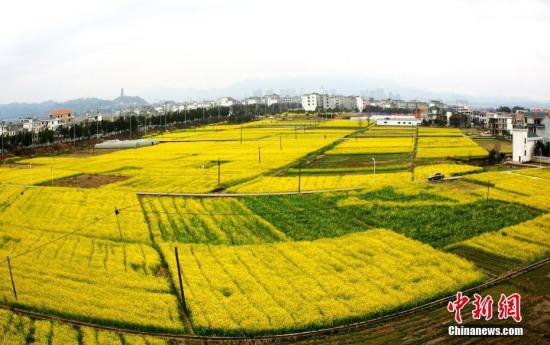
<point x="64" y="49"/>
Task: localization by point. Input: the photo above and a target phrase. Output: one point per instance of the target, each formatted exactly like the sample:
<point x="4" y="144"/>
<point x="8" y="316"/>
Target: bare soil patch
<point x="88" y="180"/>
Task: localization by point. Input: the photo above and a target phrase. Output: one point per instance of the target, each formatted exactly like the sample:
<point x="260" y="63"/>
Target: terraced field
<point x="258" y="264"/>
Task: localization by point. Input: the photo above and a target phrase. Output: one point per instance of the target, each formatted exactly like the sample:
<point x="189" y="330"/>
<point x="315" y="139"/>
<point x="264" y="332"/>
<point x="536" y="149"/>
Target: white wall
<point x="522" y="145"/>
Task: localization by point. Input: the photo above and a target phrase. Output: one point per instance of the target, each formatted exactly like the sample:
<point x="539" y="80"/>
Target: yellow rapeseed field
<point x="432" y="147"/>
<point x="95" y="280"/>
<point x="63" y="210"/>
<point x="301" y="285"/>
<point x="17" y="330"/>
<point x="326" y="182"/>
<point x="525" y="242"/>
<point x="365" y="145"/>
<point x="528" y="186"/>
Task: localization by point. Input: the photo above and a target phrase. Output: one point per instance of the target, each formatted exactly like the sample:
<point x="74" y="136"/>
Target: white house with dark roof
<point x="533" y="127"/>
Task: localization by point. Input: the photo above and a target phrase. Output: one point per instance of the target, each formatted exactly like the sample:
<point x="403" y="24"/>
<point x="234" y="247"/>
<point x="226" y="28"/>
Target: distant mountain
<point x="80" y="106"/>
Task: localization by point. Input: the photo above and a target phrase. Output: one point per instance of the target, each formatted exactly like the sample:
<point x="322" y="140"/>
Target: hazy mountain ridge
<point x="339" y="84"/>
<point x="79" y="105"/>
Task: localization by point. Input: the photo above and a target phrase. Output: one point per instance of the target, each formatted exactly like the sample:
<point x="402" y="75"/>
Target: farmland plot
<point x="373" y="145"/>
<point x="207" y="220"/>
<point x="529" y="186"/>
<point x="524" y="242"/>
<point x="62" y="210"/>
<point x="192" y="166"/>
<point x="17" y="330"/>
<point x="424" y="217"/>
<point x="302" y="285"/>
<point x="337" y="181"/>
<point x="93" y="280"/>
<point x="432" y="147"/>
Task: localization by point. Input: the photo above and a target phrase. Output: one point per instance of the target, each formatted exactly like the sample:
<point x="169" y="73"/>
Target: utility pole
<point x="259" y="156"/>
<point x="241" y="131"/>
<point x="219" y="172"/>
<point x="117" y="211"/>
<point x="374" y="168"/>
<point x="12" y="282"/>
<point x="280" y="142"/>
<point x="488" y="187"/>
<point x="300" y="179"/>
<point x="180" y="281"/>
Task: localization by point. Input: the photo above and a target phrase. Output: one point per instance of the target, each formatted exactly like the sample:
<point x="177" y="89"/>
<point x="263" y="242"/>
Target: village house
<point x="65" y="116"/>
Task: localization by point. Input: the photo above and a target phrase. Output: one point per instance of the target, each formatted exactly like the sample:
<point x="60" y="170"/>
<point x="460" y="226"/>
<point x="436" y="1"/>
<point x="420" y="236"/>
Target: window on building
<point x="525" y="153"/>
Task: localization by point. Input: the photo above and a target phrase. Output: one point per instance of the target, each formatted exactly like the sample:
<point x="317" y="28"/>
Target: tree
<point x="516" y="108"/>
<point x="493" y="156"/>
<point x="540" y="149"/>
<point x="504" y="109"/>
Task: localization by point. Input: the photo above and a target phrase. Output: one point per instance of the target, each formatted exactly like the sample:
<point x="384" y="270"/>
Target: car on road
<point x="436" y="177"/>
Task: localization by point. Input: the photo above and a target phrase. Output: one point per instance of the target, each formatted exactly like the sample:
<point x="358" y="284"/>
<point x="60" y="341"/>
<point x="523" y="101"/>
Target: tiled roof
<point x="61" y="111"/>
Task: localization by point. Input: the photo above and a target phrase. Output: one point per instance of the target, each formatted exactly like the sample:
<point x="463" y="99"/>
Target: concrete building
<point x="395" y="120"/>
<point x="359" y="104"/>
<point x="50" y="124"/>
<point x="531" y="127"/>
<point x="272" y="99"/>
<point x="7" y="129"/>
<point x="227" y="101"/>
<point x="523" y="144"/>
<point x="500" y="124"/>
<point x="312" y="102"/>
<point x="65" y="116"/>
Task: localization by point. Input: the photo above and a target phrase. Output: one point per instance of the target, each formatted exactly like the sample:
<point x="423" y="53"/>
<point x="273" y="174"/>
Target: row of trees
<point x="506" y="109"/>
<point x="133" y="125"/>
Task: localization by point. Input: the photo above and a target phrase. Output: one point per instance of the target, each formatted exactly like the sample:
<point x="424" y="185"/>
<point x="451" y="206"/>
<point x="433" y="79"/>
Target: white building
<point x="523" y="144"/>
<point x="359" y="103"/>
<point x="7" y="129"/>
<point x="227" y="101"/>
<point x="50" y="123"/>
<point x="272" y="99"/>
<point x="31" y="125"/>
<point x="394" y="120"/>
<point x="312" y="102"/>
<point x="532" y="127"/>
<point x="500" y="124"/>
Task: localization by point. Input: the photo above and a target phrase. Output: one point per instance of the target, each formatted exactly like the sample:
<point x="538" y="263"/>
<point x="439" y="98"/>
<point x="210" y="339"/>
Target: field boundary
<point x="230" y="195"/>
<point x="288" y="336"/>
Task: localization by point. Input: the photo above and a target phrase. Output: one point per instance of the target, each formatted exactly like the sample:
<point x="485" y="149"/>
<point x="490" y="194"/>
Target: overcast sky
<point x="67" y="49"/>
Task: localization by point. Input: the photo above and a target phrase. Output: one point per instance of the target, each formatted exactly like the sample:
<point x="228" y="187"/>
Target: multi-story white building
<point x="7" y="129"/>
<point x="30" y="124"/>
<point x="523" y="144"/>
<point x="50" y="123"/>
<point x="272" y="99"/>
<point x="532" y="127"/>
<point x="227" y="101"/>
<point x="500" y="124"/>
<point x="359" y="103"/>
<point x="312" y="102"/>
